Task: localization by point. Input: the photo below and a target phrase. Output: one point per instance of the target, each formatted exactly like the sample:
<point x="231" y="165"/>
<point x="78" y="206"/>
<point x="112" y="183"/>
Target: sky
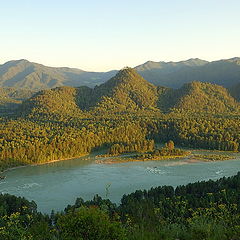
<point x="101" y="35"/>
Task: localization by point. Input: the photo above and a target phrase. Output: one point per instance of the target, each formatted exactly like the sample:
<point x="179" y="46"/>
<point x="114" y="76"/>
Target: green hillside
<point x="60" y="101"/>
<point x="128" y="92"/>
<point x="198" y="97"/>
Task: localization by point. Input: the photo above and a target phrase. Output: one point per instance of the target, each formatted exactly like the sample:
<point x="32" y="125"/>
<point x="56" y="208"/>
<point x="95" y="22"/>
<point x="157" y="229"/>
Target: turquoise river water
<point x="54" y="185"/>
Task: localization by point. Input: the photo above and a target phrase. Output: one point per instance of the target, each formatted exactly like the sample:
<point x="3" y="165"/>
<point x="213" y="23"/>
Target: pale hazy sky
<point x="102" y="35"/>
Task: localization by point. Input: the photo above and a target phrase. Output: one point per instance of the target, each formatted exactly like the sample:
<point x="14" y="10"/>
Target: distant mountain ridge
<point x="175" y="74"/>
<point x="34" y="76"/>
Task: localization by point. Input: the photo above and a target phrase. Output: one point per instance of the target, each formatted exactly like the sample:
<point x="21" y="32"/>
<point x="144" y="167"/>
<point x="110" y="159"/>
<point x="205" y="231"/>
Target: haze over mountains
<point x="34" y="76"/>
<point x="175" y="74"/>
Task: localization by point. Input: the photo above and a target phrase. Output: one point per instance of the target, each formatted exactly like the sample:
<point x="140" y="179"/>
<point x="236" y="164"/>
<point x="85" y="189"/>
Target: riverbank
<point x="111" y="159"/>
<point x="43" y="163"/>
<point x="83" y="178"/>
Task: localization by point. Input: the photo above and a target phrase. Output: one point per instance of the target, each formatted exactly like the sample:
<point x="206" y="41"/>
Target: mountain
<point x="198" y="97"/>
<point x="34" y="76"/>
<point x="128" y="92"/>
<point x="175" y="74"/>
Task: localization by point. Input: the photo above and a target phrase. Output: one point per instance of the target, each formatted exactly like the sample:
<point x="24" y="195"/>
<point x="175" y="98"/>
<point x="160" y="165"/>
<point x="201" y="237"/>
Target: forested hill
<point x="128" y="92"/>
<point x="61" y="101"/>
<point x="29" y="75"/>
<point x="198" y="97"/>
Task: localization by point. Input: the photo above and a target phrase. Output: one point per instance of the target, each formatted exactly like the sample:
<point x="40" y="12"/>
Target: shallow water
<point x="54" y="185"/>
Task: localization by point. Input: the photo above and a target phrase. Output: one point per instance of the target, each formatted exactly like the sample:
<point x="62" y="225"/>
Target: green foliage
<point x="170" y="145"/>
<point x="198" y="97"/>
<point x="54" y="102"/>
<point x="127" y="91"/>
<point x="13" y="229"/>
<point x="138" y="146"/>
<point x="89" y="223"/>
<point x="10" y="204"/>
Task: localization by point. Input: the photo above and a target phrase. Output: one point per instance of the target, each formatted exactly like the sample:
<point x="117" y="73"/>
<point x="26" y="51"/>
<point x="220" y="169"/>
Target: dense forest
<point x="208" y="210"/>
<point x="26" y="142"/>
<point x="125" y="114"/>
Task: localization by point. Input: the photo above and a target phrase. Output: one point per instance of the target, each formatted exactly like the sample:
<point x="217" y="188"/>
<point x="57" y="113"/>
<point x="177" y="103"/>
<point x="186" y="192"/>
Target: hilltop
<point x="127" y="91"/>
<point x="198" y="97"/>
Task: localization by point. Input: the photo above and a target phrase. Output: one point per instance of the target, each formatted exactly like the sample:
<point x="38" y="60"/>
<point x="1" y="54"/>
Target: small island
<point x="153" y="154"/>
<point x="119" y="153"/>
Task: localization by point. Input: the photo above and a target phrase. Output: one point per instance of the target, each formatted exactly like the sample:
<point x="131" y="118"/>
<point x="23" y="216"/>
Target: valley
<point x="96" y="146"/>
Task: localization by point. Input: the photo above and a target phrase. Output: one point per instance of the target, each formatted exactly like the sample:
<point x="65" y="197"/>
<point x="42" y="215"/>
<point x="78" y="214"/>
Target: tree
<point x="89" y="223"/>
<point x="170" y="145"/>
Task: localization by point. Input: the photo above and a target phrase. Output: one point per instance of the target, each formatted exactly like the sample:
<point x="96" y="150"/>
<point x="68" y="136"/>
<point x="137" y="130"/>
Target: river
<point x="55" y="185"/>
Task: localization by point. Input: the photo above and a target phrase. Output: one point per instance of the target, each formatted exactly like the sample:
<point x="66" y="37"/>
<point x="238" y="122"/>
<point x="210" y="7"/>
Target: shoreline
<point x="44" y="163"/>
<point x="120" y="159"/>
